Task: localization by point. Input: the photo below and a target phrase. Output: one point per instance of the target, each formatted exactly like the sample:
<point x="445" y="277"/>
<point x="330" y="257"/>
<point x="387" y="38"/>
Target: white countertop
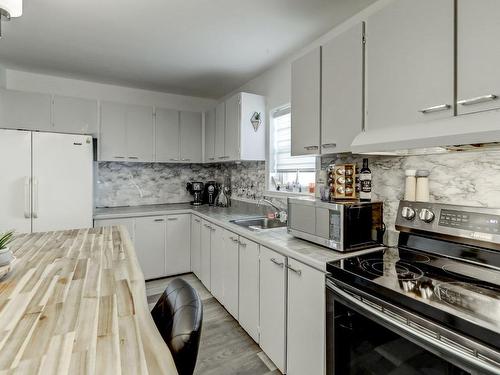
<point x="276" y="239"/>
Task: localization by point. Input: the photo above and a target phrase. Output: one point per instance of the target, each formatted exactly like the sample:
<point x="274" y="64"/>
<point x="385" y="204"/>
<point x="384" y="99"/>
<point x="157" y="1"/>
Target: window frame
<point x="269" y="157"/>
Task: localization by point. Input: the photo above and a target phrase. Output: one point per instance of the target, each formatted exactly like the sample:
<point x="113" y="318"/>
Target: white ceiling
<point x="193" y="47"/>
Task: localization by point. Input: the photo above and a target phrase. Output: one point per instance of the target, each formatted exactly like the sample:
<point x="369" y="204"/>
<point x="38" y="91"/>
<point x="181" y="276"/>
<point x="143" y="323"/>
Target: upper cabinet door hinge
<point x="364" y="38"/>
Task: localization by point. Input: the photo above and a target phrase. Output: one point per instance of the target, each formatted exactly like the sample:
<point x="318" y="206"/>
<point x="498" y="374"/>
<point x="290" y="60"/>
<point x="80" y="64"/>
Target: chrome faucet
<point x="279" y="214"/>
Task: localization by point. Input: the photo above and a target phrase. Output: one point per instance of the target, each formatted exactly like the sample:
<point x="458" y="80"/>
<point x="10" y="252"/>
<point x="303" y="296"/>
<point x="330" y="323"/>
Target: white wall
<point x="275" y="83"/>
<point x="25" y="81"/>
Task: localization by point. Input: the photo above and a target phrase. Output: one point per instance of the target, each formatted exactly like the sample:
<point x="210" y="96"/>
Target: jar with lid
<point x="410" y="184"/>
<point x="422" y="190"/>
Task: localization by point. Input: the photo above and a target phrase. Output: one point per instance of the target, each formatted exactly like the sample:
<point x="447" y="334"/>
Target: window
<point x="294" y="174"/>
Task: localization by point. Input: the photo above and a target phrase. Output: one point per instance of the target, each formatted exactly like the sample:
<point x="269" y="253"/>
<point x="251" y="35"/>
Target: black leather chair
<point x="178" y="315"/>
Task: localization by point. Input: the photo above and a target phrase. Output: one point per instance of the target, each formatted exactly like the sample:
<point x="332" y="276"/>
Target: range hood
<point x="444" y="135"/>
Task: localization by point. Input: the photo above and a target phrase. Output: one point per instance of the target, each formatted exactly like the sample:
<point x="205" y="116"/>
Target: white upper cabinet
<point x="409" y="63"/>
<point x="478" y="76"/>
<point x="190" y="137"/>
<point x="167" y="135"/>
<point x="342" y="90"/>
<point x="306" y="97"/>
<point x="231" y="141"/>
<point x="126" y="132"/>
<point x="210" y="135"/>
<point x="220" y="131"/>
<point x="75" y="115"/>
<point x="236" y="138"/>
<point x="25" y="110"/>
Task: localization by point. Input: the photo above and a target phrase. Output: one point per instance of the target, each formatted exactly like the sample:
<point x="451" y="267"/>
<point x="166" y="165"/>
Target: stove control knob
<point x="408" y="213"/>
<point x="426" y="215"/>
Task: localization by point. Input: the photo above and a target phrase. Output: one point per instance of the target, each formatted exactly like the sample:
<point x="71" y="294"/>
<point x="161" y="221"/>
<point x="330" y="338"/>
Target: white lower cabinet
<point x="305" y="320"/>
<point x="273" y="274"/>
<point x="150" y="240"/>
<point x="206" y="231"/>
<point x="196" y="246"/>
<point x="248" y="315"/>
<point x="217" y="263"/>
<point x="231" y="273"/>
<point x="178" y="246"/>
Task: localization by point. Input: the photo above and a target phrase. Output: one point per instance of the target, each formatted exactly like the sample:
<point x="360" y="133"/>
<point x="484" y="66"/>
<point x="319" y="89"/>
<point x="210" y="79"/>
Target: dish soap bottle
<point x="365" y="181"/>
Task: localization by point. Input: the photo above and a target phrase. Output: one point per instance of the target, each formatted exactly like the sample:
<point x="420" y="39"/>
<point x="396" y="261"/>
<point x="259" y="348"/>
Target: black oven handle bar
<point x="470" y="358"/>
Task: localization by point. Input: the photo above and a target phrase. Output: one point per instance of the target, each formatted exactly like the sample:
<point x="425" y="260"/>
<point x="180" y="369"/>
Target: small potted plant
<point x="5" y="253"/>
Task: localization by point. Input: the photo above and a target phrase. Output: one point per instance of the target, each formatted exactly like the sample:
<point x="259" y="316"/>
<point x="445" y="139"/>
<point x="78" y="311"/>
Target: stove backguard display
<point x="473" y="221"/>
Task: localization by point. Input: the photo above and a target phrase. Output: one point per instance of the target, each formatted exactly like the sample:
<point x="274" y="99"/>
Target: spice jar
<point x="410" y="184"/>
<point x="422" y="191"/>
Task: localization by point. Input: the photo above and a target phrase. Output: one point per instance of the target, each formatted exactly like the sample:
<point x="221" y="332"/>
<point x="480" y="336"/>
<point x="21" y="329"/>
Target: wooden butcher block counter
<point x="75" y="303"/>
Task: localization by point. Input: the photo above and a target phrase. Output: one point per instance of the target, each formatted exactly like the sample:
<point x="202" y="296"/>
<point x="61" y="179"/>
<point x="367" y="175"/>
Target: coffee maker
<point x="196" y="190"/>
<point x="211" y="192"/>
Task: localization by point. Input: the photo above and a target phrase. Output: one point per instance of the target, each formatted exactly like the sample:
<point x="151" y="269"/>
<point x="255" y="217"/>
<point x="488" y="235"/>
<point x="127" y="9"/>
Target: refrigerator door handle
<point x="35" y="198"/>
<point x="27" y="199"/>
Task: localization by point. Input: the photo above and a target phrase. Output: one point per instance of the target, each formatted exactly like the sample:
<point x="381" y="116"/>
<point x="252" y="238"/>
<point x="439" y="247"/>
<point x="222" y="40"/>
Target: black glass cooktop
<point x="458" y="294"/>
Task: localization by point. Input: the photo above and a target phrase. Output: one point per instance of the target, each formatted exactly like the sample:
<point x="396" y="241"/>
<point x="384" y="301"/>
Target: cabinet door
<point x="273" y="306"/>
<point x="217" y="263"/>
<point x="190" y="124"/>
<point x="230" y="274"/>
<point x="178" y="250"/>
<point x="196" y="246"/>
<point x="306" y="106"/>
<point x="206" y="230"/>
<point x="478" y="77"/>
<point x="342" y="90"/>
<point x="128" y="223"/>
<point x="75" y="115"/>
<point x="220" y="131"/>
<point x="140" y="139"/>
<point x="409" y="62"/>
<point x="248" y="315"/>
<point x="113" y="135"/>
<point x="150" y="234"/>
<point x="210" y="135"/>
<point x="305" y="320"/>
<point x="231" y="140"/>
<point x="25" y="110"/>
<point x="167" y="135"/>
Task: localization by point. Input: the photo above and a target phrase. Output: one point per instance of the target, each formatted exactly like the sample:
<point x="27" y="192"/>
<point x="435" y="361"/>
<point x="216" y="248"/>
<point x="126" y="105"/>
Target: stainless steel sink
<point x="259" y="223"/>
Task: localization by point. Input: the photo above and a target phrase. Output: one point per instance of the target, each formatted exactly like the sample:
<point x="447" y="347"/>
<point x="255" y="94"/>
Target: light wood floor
<point x="225" y="347"/>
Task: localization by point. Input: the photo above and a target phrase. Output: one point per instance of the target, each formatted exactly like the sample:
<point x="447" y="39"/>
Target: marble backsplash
<point x="463" y="178"/>
<point x="131" y="184"/>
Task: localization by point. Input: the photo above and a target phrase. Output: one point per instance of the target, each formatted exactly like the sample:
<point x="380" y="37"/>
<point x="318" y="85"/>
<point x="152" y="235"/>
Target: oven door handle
<point x="450" y="350"/>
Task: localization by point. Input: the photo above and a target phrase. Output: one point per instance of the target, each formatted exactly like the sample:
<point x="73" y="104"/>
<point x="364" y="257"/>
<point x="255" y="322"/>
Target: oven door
<point x="361" y="341"/>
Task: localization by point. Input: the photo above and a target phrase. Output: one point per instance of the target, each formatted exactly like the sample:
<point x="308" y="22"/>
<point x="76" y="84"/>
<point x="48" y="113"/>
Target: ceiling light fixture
<point x="10" y="9"/>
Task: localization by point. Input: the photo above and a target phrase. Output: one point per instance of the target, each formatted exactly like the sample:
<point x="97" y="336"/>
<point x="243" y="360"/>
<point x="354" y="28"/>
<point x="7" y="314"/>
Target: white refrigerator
<point x="45" y="181"/>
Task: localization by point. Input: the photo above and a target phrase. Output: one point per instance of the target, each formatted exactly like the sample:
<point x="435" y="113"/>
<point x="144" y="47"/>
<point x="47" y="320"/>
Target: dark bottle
<point x="365" y="180"/>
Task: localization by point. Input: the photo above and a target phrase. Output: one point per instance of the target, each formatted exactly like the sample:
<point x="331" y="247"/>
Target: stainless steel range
<point x="429" y="306"/>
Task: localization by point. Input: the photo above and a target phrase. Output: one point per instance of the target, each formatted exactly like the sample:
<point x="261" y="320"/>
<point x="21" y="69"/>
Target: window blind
<point x="282" y="146"/>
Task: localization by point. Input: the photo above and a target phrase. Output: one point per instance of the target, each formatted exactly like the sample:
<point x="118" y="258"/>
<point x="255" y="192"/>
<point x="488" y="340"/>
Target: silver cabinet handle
<point x="211" y="158"/>
<point x="298" y="272"/>
<point x="329" y="145"/>
<point x="158" y="220"/>
<point x="281" y="264"/>
<point x="223" y="157"/>
<point x="196" y="220"/>
<point x="186" y="159"/>
<point x="118" y="157"/>
<point x="207" y="226"/>
<point x="233" y="239"/>
<point x="172" y="218"/>
<point x="478" y="99"/>
<point x="436" y="108"/>
<point x="27" y="200"/>
<point x="242" y="244"/>
<point x="172" y="159"/>
<point x="310" y="148"/>
<point x="34" y="212"/>
<point x="133" y="157"/>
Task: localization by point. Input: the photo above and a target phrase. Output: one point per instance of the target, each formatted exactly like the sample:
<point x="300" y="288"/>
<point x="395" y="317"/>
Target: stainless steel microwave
<point x="341" y="226"/>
